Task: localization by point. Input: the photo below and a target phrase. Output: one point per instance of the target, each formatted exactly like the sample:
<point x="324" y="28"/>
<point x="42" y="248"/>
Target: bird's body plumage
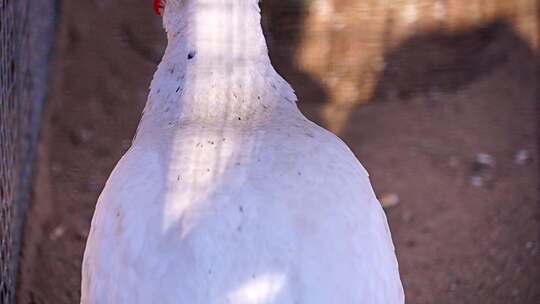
<point x="229" y="195"/>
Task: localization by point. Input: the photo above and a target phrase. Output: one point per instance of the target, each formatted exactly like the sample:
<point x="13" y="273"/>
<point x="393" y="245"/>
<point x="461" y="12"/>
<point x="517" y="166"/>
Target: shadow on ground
<point x="465" y="232"/>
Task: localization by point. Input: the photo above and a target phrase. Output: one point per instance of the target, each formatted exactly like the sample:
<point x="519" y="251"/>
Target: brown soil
<point x="441" y="99"/>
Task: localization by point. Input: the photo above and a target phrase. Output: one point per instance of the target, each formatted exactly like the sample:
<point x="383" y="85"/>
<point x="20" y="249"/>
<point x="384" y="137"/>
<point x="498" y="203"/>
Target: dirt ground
<point x="451" y="129"/>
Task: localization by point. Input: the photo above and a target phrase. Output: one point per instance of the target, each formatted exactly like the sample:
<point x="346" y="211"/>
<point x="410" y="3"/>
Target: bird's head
<point x="159" y="6"/>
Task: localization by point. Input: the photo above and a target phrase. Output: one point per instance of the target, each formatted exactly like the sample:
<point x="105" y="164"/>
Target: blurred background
<point x="437" y="98"/>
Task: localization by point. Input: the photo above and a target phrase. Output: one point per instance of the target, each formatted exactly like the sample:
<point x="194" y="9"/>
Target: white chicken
<point x="228" y="194"/>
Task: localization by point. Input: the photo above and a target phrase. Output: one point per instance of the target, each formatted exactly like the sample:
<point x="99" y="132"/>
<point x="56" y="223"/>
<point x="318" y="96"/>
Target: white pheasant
<point x="229" y="195"/>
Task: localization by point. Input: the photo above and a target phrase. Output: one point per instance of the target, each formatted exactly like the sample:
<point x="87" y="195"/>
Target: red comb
<point x="158" y="6"/>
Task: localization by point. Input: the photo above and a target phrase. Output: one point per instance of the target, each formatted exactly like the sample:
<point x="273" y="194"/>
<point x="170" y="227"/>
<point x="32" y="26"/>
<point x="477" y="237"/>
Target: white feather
<point x="228" y="193"/>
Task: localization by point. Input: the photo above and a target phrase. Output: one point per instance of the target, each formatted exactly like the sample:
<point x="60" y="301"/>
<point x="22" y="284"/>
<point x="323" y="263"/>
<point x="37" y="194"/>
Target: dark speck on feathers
<point x="299" y="173"/>
<point x="239" y="118"/>
<point x="178" y="178"/>
<point x="191" y="55"/>
<point x="239" y="228"/>
<point x="177" y="89"/>
<point x="241" y="209"/>
<point x="259" y="97"/>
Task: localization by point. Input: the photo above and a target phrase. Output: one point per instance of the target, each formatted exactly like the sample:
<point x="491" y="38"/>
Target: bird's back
<point x="228" y="194"/>
<point x="280" y="214"/>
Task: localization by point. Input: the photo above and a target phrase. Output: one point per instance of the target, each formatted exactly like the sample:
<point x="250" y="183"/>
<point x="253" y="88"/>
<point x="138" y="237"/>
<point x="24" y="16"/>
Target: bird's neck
<point x="216" y="64"/>
<point x="217" y="31"/>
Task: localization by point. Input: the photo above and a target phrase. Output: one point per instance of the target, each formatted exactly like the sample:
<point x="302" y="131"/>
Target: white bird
<point x="228" y="194"/>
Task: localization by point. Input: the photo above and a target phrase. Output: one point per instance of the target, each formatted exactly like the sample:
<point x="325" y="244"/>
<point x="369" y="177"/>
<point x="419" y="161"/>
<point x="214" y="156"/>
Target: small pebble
<point x="522" y="157"/>
<point x="389" y="200"/>
<point x="485" y="159"/>
<point x="482" y="170"/>
<point x="477" y="181"/>
<point x="57" y="233"/>
<point x="85" y="135"/>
